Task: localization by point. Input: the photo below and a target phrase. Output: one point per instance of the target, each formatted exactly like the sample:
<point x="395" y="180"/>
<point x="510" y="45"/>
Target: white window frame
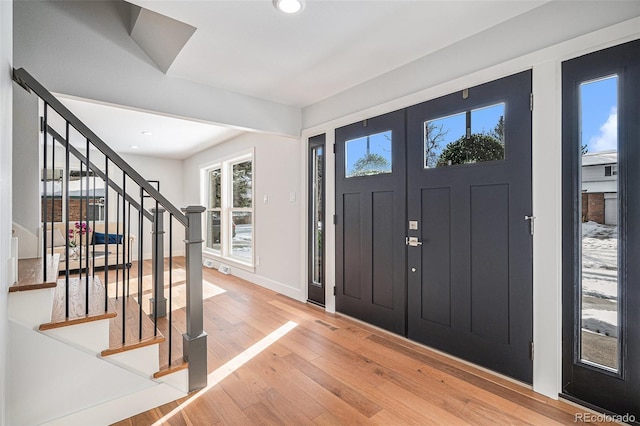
<point x="226" y="209"/>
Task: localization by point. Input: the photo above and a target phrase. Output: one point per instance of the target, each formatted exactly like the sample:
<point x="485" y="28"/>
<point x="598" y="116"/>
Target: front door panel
<point x="469" y="188"/>
<point x="370" y="207"/>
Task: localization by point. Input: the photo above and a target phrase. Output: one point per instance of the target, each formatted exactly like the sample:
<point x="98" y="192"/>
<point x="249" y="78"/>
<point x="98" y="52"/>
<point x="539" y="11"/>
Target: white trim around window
<point x="227" y="192"/>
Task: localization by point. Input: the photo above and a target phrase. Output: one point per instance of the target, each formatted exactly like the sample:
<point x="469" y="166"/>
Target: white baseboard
<point x="278" y="287"/>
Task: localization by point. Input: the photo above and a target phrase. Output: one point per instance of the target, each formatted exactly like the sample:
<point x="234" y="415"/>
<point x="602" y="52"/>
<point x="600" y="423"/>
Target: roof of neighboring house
<point x="602" y="157"/>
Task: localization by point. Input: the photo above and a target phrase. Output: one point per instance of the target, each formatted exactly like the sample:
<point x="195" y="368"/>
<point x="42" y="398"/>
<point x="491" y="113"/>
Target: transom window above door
<point x="472" y="136"/>
<point x="369" y="155"/>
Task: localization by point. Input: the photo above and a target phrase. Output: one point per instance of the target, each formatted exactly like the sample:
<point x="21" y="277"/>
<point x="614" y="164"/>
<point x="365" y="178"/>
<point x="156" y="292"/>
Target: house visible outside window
<point x="228" y="197"/>
<point x="610" y="170"/>
<point x="95" y="210"/>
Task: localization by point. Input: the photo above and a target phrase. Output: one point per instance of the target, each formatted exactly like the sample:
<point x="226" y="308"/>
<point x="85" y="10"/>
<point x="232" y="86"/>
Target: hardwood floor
<point x="329" y="369"/>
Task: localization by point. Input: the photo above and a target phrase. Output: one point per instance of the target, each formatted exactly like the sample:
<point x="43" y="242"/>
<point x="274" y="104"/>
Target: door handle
<point x="412" y="241"/>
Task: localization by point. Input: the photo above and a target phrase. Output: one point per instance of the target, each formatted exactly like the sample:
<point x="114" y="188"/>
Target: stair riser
<point x="91" y="336"/>
<point x="31" y="308"/>
<point x="145" y="359"/>
<point x="178" y="380"/>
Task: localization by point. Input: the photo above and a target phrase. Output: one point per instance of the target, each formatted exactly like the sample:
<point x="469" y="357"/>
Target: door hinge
<point x="334" y="148"/>
<point x="335" y="219"/>
<point x="531" y="350"/>
<point x="41" y="124"/>
<point x="531" y="219"/>
<point x="334" y="290"/>
<point x="530" y="101"/>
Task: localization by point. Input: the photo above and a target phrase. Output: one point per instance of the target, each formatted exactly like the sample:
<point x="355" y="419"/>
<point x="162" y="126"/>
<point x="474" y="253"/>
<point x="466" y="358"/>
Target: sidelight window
<point x="599" y="236"/>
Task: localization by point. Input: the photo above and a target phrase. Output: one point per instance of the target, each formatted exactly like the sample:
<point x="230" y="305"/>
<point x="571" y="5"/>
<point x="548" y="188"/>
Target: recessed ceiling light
<point x="133" y="146"/>
<point x="147" y="133"/>
<point x="289" y="6"/>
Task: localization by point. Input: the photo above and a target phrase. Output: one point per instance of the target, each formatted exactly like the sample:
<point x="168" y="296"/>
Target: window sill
<point x="228" y="261"/>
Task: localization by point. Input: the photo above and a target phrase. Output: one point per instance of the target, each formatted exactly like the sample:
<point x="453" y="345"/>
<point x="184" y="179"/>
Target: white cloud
<point x="607" y="139"/>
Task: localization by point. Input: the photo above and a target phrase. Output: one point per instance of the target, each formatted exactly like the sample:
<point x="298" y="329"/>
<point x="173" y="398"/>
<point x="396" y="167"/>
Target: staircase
<point x="97" y="332"/>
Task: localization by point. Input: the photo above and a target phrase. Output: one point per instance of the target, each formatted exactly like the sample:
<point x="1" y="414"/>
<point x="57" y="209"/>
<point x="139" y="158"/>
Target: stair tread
<point x="31" y="273"/>
<point x="132" y="336"/>
<point x="177" y="365"/>
<point x="77" y="303"/>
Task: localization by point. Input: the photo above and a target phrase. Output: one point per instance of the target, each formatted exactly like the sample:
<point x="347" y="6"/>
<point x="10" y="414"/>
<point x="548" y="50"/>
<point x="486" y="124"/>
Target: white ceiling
<point x="123" y="130"/>
<point x="248" y="47"/>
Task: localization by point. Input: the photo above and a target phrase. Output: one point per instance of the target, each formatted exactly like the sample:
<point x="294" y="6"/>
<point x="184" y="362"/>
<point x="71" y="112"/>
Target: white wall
<point x="26" y="173"/>
<point x="278" y="223"/>
<point x="6" y="105"/>
<point x="425" y="80"/>
<point x="170" y="174"/>
<point x="547" y="25"/>
<point x="84" y="49"/>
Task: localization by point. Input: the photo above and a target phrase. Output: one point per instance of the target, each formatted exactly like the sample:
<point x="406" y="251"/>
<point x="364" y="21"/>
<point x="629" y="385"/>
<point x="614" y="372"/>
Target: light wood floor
<point x="333" y="370"/>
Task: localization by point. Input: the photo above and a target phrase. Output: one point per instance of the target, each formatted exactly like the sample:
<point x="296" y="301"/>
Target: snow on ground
<point x="600" y="260"/>
<point x="600" y="278"/>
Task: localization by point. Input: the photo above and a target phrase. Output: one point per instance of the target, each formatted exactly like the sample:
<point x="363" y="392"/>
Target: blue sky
<point x="599" y="115"/>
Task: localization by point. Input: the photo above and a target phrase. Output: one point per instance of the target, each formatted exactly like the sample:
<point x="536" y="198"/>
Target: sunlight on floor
<point x="178" y="293"/>
<point x="179" y="296"/>
<point x="222" y="372"/>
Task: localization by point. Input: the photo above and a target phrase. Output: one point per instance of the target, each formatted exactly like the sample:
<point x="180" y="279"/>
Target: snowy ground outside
<point x="600" y="293"/>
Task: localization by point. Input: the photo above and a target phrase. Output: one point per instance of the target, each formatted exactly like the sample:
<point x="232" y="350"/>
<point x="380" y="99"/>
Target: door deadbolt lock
<point x="412" y="241"/>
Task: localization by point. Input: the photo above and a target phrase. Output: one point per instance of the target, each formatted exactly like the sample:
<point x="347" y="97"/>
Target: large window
<point x="228" y="189"/>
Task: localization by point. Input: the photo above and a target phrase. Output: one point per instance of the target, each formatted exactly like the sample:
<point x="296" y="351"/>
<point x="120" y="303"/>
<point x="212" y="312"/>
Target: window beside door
<point x="228" y="198"/>
<point x="599" y="247"/>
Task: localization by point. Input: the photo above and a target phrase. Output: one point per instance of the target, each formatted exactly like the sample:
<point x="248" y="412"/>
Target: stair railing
<point x="99" y="164"/>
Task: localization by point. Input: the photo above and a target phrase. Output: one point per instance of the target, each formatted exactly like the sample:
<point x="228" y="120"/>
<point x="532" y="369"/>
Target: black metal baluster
<point x="124" y="305"/>
<point x="93" y="229"/>
<point x="124" y="226"/>
<point x="66" y="204"/>
<point x="106" y="232"/>
<point x="53" y="198"/>
<point x="140" y="262"/>
<point x="80" y="221"/>
<point x="170" y="281"/>
<point x="125" y="245"/>
<point x="86" y="238"/>
<point x="154" y="284"/>
<point x="44" y="195"/>
<point x="106" y="242"/>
